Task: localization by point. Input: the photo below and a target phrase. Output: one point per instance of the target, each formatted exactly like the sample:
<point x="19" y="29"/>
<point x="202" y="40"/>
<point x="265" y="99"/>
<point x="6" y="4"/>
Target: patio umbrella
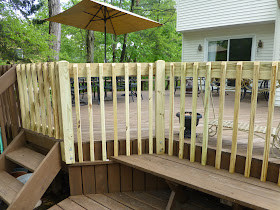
<point x="103" y="17"/>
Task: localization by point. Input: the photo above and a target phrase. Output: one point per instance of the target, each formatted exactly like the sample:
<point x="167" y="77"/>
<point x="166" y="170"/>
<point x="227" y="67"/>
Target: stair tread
<point x="26" y="157"/>
<point x="9" y="187"/>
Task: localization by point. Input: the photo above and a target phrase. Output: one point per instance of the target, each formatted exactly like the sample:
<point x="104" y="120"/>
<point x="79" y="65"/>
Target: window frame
<point x="228" y="38"/>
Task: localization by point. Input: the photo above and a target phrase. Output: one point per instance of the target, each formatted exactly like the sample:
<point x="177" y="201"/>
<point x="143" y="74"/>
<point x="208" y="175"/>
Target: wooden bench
<point x="249" y="192"/>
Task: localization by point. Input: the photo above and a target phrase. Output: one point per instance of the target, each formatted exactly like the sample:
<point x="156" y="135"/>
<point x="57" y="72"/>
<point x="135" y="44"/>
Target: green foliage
<point x="20" y="40"/>
<point x="143" y="46"/>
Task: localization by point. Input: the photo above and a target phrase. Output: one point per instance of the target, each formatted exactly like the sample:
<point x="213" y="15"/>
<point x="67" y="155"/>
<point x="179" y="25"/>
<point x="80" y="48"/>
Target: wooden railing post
<point x="66" y="111"/>
<point x="160" y="106"/>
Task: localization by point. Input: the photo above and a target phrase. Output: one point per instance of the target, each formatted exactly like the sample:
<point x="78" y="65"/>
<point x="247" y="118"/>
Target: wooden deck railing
<point x="51" y="99"/>
<point x="9" y="104"/>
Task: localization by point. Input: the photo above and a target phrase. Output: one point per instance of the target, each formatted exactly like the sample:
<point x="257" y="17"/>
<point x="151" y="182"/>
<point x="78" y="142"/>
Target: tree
<point x="54" y="28"/>
<point x="20" y="40"/>
<point x="90" y="46"/>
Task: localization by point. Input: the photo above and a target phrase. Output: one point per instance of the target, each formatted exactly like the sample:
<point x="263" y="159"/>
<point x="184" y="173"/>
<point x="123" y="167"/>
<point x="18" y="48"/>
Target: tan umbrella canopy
<point x="103" y="17"/>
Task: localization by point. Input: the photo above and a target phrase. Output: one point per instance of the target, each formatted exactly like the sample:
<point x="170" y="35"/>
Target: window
<point x="230" y="50"/>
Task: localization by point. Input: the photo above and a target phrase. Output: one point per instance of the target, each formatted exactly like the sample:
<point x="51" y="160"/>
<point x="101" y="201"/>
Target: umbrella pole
<point x="105" y="30"/>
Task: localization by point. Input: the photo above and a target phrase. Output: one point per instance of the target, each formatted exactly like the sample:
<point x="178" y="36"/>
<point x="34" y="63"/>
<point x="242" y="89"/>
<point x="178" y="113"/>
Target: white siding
<point x="277" y="51"/>
<point x="264" y="32"/>
<point x="201" y="14"/>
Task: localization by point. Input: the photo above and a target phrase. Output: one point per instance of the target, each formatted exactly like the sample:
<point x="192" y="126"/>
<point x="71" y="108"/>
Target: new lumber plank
<point x="9" y="187"/>
<point x="107" y="201"/>
<point x="87" y="203"/>
<point x="244" y="193"/>
<point x="26" y="157"/>
<point x="128" y="201"/>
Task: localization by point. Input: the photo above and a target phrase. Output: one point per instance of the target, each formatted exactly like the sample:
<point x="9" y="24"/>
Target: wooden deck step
<point x="26" y="158"/>
<point x="9" y="187"/>
<point x="233" y="187"/>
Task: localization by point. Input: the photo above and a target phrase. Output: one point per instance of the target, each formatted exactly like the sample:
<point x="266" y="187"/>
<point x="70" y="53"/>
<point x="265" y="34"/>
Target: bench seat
<point x="249" y="192"/>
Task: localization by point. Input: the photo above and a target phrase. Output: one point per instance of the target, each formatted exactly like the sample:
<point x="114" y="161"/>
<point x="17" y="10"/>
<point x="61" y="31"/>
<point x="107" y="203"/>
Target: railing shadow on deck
<point x="46" y="106"/>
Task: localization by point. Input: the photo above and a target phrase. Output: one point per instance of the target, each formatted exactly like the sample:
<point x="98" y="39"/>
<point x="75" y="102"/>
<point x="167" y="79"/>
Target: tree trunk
<point x="90" y="46"/>
<point x="125" y="36"/>
<point x="55" y="28"/>
<point x="114" y="37"/>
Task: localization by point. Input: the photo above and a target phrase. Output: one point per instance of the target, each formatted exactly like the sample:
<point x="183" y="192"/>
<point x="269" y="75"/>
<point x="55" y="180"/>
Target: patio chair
<point x="82" y="90"/>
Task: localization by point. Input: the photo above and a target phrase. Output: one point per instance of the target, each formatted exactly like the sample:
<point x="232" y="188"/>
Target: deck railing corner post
<point x="66" y="111"/>
<point x="160" y="106"/>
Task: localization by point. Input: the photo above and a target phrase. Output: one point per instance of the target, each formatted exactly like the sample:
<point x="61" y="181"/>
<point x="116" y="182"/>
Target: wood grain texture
<point x="115" y="110"/>
<point x="182" y="110"/>
<point x="66" y="111"/>
<point x="139" y="94"/>
<point x="171" y="111"/>
<point x="254" y="101"/>
<point x="101" y="179"/>
<point x="194" y="111"/>
<point x="236" y="116"/>
<point x="78" y="113"/>
<point x="206" y="114"/>
<point x="151" y="88"/>
<point x="160" y="104"/>
<point x="102" y="112"/>
<point x="269" y="120"/>
<point x="127" y="124"/>
<point x="221" y="115"/>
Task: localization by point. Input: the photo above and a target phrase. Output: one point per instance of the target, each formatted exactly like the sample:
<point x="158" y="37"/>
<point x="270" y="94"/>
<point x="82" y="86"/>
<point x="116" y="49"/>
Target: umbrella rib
<point x="111" y="22"/>
<point x="118" y="15"/>
<point x="94" y="16"/>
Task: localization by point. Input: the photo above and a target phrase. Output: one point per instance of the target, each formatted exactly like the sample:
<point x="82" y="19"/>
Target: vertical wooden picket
<point x="25" y="95"/>
<point x="221" y="115"/>
<point x="21" y="96"/>
<point x="115" y="110"/>
<point x="102" y="112"/>
<point x="42" y="98"/>
<point x="236" y="116"/>
<point x="30" y="97"/>
<point x="36" y="97"/>
<point x="54" y="100"/>
<point x="78" y="112"/>
<point x="271" y="101"/>
<point x="194" y="111"/>
<point x="171" y="110"/>
<point x="127" y="124"/>
<point x="182" y="109"/>
<point x="151" y="88"/>
<point x="48" y="99"/>
<point x="206" y="114"/>
<point x="66" y="111"/>
<point x="90" y="117"/>
<point x="254" y="100"/>
<point x="160" y="106"/>
<point x="139" y="141"/>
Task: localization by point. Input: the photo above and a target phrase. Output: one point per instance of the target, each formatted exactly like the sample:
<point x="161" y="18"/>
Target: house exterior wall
<point x="203" y="14"/>
<point x="263" y="32"/>
<point x="276" y="53"/>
